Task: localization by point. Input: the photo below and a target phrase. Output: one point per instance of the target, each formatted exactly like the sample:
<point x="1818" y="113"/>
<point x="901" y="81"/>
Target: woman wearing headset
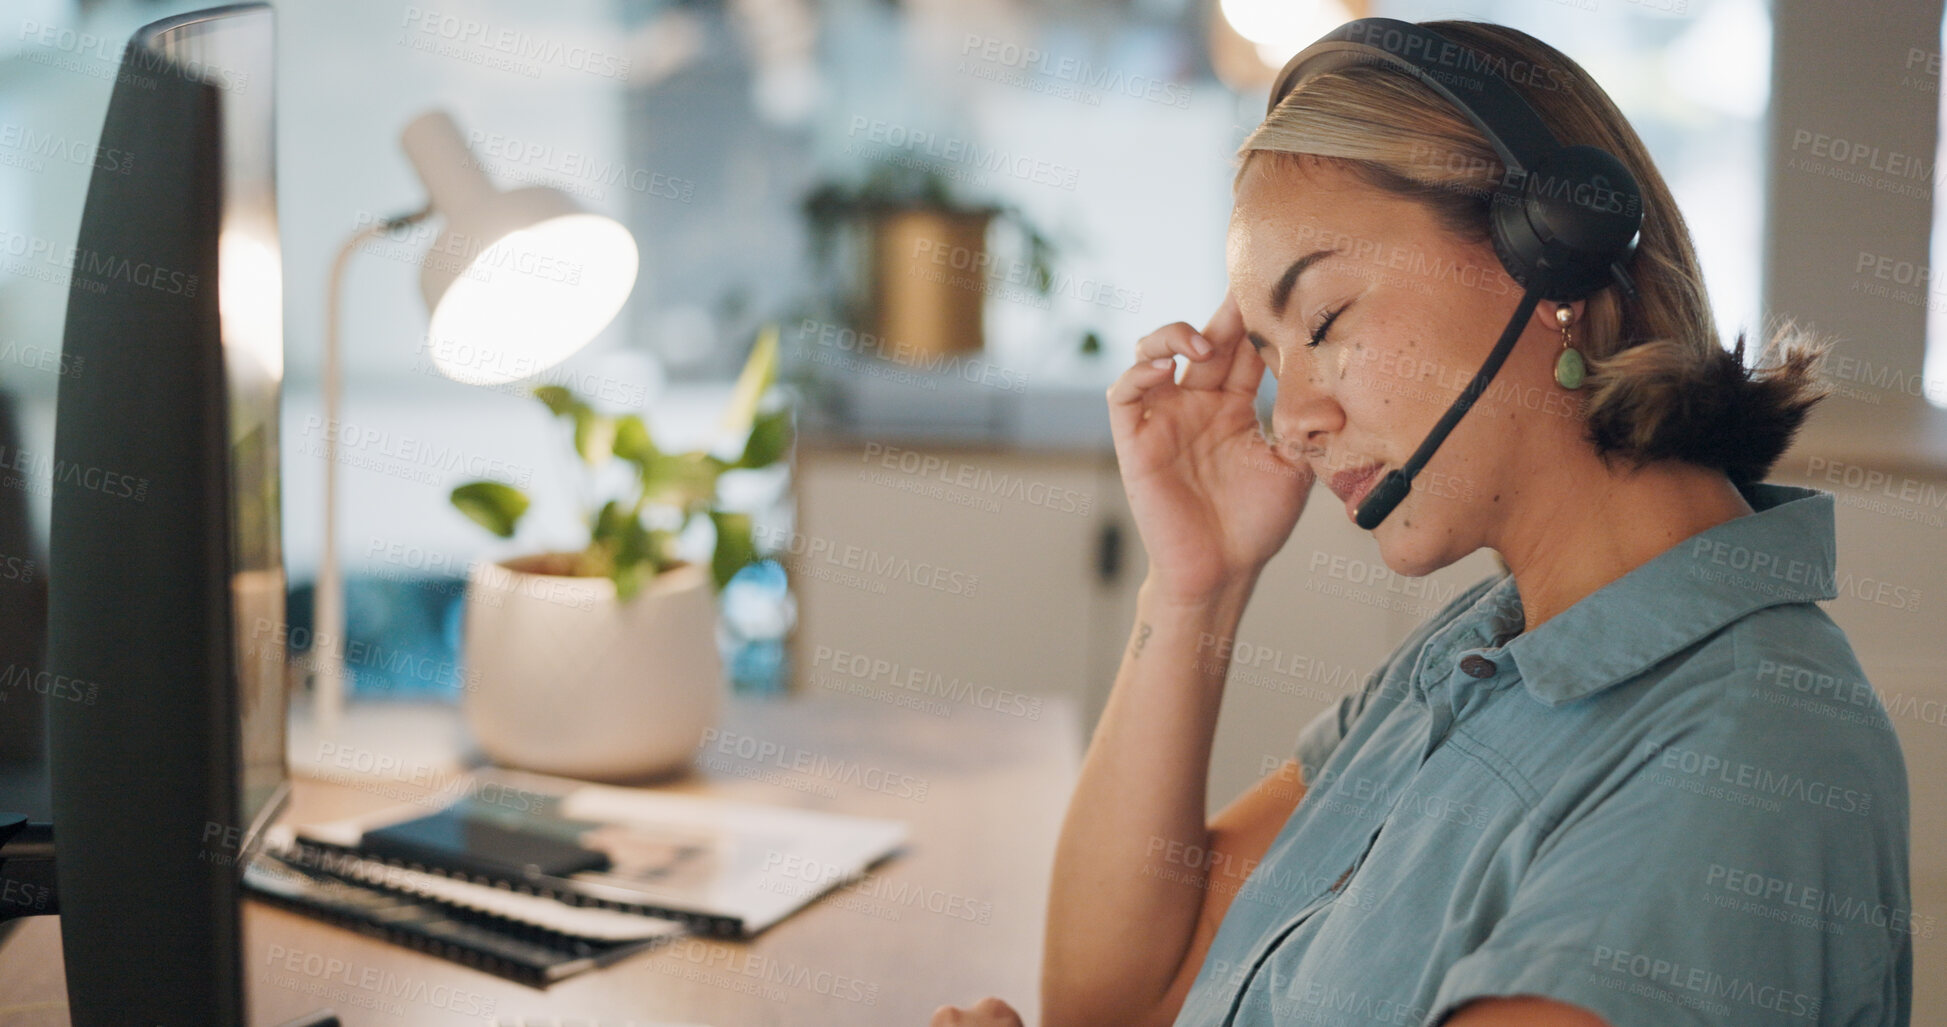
<point x="1637" y="779"/>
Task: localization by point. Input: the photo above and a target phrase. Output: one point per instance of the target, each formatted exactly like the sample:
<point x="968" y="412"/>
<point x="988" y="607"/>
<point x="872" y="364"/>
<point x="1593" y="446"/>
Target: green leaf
<point x="632" y="442"/>
<point x="632" y="542"/>
<point x="633" y="561"/>
<point x="760" y="370"/>
<point x="495" y="506"/>
<point x="609" y="525"/>
<point x="596" y="561"/>
<point x="681" y="478"/>
<point x="559" y="400"/>
<point x="629" y="579"/>
<point x="734" y="548"/>
<point x="641" y="556"/>
<point x="770" y="436"/>
<point x="659" y="543"/>
<point x="1041" y="254"/>
<point x="594" y="436"/>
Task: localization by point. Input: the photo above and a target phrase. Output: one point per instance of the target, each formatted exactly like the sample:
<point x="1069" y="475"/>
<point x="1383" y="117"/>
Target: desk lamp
<point x="517" y="281"/>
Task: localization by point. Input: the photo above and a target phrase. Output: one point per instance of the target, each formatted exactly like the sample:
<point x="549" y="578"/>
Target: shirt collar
<point x="1785" y="551"/>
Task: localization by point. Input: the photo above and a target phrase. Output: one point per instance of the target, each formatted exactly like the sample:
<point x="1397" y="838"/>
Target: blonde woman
<point x="1637" y="778"/>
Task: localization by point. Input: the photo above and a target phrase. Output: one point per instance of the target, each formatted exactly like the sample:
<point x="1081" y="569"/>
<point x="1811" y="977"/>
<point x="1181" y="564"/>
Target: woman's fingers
<point x="1223" y="336"/>
<point x="1174" y="338"/>
<point x="1126" y="394"/>
<point x="1225" y="333"/>
<point x="1246" y="370"/>
<point x="1227" y="324"/>
<point x="1217" y="359"/>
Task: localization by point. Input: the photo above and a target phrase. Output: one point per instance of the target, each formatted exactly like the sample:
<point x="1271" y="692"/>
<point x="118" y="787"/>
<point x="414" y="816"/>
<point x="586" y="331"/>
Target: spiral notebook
<point x="516" y="947"/>
<point x="716" y="866"/>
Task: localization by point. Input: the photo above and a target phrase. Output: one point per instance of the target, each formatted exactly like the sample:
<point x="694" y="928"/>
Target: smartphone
<point x="449" y="840"/>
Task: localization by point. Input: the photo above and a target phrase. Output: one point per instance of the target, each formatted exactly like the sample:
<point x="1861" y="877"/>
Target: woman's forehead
<point x="1282" y="215"/>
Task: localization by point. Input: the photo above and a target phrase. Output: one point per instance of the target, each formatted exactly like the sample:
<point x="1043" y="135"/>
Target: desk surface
<point x="956" y="917"/>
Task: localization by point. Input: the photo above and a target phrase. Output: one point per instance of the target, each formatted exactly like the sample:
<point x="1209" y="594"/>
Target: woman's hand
<point x="1211" y="498"/>
<point x="988" y="1012"/>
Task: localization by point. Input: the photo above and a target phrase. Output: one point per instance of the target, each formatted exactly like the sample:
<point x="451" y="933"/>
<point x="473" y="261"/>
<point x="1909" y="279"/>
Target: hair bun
<point x="1662" y="401"/>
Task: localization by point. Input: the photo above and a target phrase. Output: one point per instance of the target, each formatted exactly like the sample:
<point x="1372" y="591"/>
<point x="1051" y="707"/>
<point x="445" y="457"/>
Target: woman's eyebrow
<point x="1281" y="292"/>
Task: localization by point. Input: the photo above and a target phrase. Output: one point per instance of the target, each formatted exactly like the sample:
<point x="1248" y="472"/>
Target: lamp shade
<point x="517" y="280"/>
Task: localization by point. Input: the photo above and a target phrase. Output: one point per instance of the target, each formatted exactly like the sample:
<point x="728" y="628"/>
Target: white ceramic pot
<point x="561" y="678"/>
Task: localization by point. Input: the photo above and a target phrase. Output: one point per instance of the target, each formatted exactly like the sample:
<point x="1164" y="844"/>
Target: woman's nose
<point x="1303" y="418"/>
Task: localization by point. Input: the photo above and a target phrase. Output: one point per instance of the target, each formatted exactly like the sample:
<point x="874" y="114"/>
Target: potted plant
<point x="602" y="664"/>
<point x="925" y="259"/>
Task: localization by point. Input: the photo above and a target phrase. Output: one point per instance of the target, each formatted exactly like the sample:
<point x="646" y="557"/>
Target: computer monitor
<point x="165" y="572"/>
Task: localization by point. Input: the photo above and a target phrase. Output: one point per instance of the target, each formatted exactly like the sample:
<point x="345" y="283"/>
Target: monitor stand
<point x="27" y="885"/>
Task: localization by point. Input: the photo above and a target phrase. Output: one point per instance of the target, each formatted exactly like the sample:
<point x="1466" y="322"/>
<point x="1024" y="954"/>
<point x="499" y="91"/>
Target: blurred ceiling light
<point x="1251" y="39"/>
<point x="1281" y="27"/>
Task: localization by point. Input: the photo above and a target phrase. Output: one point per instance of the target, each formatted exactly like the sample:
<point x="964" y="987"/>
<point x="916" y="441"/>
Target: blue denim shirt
<point x="1676" y="803"/>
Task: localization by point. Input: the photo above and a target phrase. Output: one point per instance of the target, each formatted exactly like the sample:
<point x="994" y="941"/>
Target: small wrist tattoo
<point x="1142" y="636"/>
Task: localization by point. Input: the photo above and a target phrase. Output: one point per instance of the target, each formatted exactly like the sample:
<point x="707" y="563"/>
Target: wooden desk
<point x="956" y="917"/>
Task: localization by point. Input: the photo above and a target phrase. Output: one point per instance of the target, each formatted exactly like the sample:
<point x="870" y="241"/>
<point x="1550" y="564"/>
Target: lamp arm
<point x="328" y="607"/>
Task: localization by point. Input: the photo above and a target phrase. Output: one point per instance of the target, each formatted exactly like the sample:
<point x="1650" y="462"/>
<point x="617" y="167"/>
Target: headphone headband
<point x="1564" y="218"/>
<point x="1448" y="68"/>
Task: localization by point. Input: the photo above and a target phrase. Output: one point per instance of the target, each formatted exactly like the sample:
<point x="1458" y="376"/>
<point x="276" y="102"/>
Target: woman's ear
<point x="1546" y="318"/>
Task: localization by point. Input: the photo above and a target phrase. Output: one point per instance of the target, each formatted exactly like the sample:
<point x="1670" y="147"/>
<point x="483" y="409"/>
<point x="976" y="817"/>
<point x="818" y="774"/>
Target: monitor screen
<point x="233" y="53"/>
<point x="230" y="50"/>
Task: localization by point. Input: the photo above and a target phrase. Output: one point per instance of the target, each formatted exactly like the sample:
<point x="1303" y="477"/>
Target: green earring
<point x="1569" y="367"/>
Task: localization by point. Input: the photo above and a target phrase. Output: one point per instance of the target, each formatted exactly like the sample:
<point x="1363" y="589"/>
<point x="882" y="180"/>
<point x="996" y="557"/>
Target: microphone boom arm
<point x="1393" y="489"/>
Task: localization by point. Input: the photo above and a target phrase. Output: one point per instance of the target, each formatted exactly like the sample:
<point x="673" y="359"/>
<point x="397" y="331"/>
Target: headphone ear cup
<point x="1514" y="240"/>
<point x="1561" y="228"/>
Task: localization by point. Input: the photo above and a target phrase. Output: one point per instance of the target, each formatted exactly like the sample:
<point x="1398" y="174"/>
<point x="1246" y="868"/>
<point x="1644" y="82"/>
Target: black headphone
<point x="1564" y="219"/>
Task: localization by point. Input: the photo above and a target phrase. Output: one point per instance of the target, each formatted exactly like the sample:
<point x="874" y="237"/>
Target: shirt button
<point x="1478" y="666"/>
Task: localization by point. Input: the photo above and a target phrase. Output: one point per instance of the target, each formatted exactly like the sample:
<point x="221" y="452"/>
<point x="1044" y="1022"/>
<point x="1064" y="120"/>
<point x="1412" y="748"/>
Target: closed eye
<point x="1325" y="324"/>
